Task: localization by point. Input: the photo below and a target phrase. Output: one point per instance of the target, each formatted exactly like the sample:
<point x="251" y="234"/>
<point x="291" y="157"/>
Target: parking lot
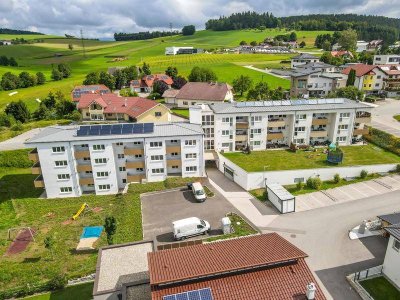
<point x="160" y="209"/>
<point x="348" y="193"/>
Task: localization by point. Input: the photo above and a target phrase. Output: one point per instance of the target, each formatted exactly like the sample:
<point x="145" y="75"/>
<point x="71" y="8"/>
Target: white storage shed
<point x="284" y="201"/>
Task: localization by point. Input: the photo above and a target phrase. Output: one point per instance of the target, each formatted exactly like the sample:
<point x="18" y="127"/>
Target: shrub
<point x="58" y="282"/>
<point x="384" y="140"/>
<point x="336" y="178"/>
<point x="299" y="185"/>
<point x="17" y="127"/>
<point x="398" y="168"/>
<point x="314" y="183"/>
<point x="364" y="174"/>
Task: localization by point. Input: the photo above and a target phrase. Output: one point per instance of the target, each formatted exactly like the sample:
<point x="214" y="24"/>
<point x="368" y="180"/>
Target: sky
<point x="101" y="18"/>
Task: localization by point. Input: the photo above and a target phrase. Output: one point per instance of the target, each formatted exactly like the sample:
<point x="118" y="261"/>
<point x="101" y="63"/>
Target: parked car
<point x="190" y="227"/>
<point x="198" y="191"/>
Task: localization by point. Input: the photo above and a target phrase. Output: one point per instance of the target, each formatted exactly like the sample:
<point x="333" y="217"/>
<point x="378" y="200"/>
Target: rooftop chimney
<point x="310" y="291"/>
<point x="125" y="104"/>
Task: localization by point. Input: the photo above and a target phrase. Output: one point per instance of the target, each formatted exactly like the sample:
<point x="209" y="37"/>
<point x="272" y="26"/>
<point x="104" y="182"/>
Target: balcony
<point x="135" y="178"/>
<point x="173" y="149"/>
<point x="276" y="123"/>
<point x="241" y="137"/>
<point x="318" y="133"/>
<point x="134" y="164"/>
<point x="81" y="154"/>
<point x="242" y="124"/>
<point x="33" y="155"/>
<point x="38" y="182"/>
<point x="317" y="122"/>
<point x="274" y="136"/>
<point x="365" y="120"/>
<point x="360" y="131"/>
<point x="36" y="168"/>
<point x="133" y="151"/>
<point x="86" y="181"/>
<point x="174" y="162"/>
<point x="83" y="167"/>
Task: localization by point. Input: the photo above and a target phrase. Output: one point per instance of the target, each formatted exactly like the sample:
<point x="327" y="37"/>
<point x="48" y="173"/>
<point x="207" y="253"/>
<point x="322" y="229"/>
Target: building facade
<point x="102" y="159"/>
<point x="369" y="78"/>
<point x="391" y="264"/>
<point x="391" y="80"/>
<point x="272" y="124"/>
<point x="390" y="59"/>
<point x="303" y="59"/>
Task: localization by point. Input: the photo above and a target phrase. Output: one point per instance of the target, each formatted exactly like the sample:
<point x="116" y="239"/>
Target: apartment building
<point x="391" y="80"/>
<point x="270" y="124"/>
<point x="389" y="59"/>
<point x="102" y="159"/>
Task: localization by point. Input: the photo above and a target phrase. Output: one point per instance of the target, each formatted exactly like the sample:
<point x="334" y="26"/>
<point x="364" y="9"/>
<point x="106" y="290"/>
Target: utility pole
<point x="83" y="44"/>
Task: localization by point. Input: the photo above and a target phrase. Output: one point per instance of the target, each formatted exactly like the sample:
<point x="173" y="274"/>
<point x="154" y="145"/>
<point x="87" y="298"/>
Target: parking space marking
<point x="342" y="192"/>
<point x="358" y="191"/>
<point x="371" y="188"/>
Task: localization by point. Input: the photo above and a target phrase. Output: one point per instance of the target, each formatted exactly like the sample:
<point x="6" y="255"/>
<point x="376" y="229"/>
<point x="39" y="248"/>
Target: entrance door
<point x="228" y="173"/>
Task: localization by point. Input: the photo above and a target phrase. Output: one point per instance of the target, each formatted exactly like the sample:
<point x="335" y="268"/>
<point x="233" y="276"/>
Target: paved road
<point x="266" y="72"/>
<point x="18" y="141"/>
<point x="382" y="116"/>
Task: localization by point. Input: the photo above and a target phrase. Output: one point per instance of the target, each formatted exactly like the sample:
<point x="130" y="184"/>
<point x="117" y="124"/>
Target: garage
<point x="281" y="198"/>
<point x="228" y="172"/>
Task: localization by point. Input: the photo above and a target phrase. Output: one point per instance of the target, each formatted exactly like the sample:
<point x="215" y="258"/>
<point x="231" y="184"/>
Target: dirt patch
<point x="21" y="242"/>
<point x="67" y="222"/>
<point x="97" y="209"/>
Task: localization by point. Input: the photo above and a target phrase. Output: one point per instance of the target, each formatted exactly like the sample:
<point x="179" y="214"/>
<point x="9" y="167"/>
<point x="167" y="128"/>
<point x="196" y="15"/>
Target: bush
<point x="398" y="168"/>
<point x="299" y="185"/>
<point x="17" y="127"/>
<point x="336" y="178"/>
<point x="364" y="174"/>
<point x="314" y="183"/>
<point x="384" y="140"/>
<point x="75" y="116"/>
<point x="58" y="282"/>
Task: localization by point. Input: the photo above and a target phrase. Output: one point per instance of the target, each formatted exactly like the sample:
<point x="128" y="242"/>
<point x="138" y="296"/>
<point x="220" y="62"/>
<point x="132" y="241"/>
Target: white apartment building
<point x="102" y="159"/>
<point x="270" y="124"/>
<point x="390" y="59"/>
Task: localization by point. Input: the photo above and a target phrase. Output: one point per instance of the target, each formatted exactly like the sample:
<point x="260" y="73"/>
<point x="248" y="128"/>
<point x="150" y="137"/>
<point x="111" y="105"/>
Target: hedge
<point x="384" y="140"/>
<point x="15" y="159"/>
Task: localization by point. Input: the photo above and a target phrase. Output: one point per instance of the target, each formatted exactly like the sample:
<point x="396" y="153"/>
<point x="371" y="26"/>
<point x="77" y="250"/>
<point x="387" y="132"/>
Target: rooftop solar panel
<point x="83" y="130"/>
<point x="127" y="128"/>
<point x="94" y="130"/>
<point x="148" y="127"/>
<point x="105" y="129"/>
<point x="138" y="128"/>
<point x="202" y="294"/>
<point x="116" y="129"/>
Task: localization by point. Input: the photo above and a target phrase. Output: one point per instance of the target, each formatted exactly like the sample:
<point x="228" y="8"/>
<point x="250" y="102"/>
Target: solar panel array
<point x="289" y="102"/>
<point x="202" y="294"/>
<point x="115" y="129"/>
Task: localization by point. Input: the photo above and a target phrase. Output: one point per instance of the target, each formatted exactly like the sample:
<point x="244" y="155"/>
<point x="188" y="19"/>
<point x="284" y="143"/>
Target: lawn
<point x="240" y="227"/>
<point x="80" y="291"/>
<point x="286" y="160"/>
<point x="20" y="206"/>
<point x="182" y="112"/>
<point x="380" y="289"/>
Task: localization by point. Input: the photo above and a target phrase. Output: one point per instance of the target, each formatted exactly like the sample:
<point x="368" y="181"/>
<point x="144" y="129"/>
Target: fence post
<point x="366" y="275"/>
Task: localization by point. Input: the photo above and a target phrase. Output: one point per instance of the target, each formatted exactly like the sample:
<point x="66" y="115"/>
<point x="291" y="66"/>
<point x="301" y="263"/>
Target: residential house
<point x="145" y="84"/>
<point x="98" y="89"/>
<point x="391" y="80"/>
<point x="103" y="159"/>
<point x="374" y="45"/>
<point x="182" y="50"/>
<point x="111" y="107"/>
<point x="316" y="66"/>
<point x="266" y="124"/>
<point x="361" y="46"/>
<point x="170" y="95"/>
<point x="369" y="78"/>
<point x="389" y="59"/>
<point x="302" y="59"/>
<point x="342" y="53"/>
<point x="391" y="264"/>
<point x="257" y="267"/>
<point x="193" y="93"/>
<point x="5" y="43"/>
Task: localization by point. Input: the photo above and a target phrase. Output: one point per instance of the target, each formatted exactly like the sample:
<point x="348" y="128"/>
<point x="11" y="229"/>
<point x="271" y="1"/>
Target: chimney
<point x="125" y="104"/>
<point x="310" y="291"/>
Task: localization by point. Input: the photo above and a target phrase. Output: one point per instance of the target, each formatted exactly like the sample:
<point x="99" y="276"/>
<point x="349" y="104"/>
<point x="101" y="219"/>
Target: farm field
<point x="99" y="55"/>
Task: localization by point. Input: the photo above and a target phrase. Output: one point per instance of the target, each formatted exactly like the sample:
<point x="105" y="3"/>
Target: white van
<point x="189" y="227"/>
<point x="198" y="192"/>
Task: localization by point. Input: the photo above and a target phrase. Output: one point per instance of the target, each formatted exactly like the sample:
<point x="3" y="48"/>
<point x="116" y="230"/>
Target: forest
<point x="15" y="31"/>
<point x="143" y="35"/>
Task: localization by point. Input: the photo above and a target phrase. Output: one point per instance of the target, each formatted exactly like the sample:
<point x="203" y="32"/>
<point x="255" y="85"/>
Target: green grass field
<point x="380" y="289"/>
<point x="99" y="55"/>
<point x="287" y="160"/>
<point x="81" y="291"/>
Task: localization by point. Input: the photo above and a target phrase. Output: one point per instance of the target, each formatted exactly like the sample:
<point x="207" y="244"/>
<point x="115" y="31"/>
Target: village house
<point x="391" y="80"/>
<point x="369" y="78"/>
<point x="342" y="53"/>
<point x="5" y="43"/>
<point x="98" y="89"/>
<point x="389" y="59"/>
<point x="303" y="59"/>
<point x="145" y="84"/>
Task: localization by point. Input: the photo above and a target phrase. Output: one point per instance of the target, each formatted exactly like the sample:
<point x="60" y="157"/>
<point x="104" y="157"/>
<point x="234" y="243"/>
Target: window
<point x="191" y="169"/>
<point x="99" y="147"/>
<point x="225" y="132"/>
<point x="225" y="145"/>
<point x="174" y="154"/>
<point x="65" y="189"/>
<point x="86" y="158"/>
<point x="191" y="155"/>
<point x="122" y="169"/>
<point x="104" y="187"/>
<point x="341" y="139"/>
<point x="255" y="131"/>
<point x="207" y="120"/>
<point x="227" y="120"/>
<point x="298" y="141"/>
<point x="345" y="115"/>
<point x="157" y="171"/>
<point x="255" y="143"/>
<point x="256" y="119"/>
<point x="209" y="145"/>
<point x="61" y="163"/>
<point x="301" y="117"/>
<point x="123" y="180"/>
<point x="190" y="142"/>
<point x="121" y="155"/>
<point x="343" y="127"/>
<point x="175" y="167"/>
<point x="396" y="245"/>
<point x="139" y="169"/>
<point x="300" y="129"/>
<point x="174" y="141"/>
<point x="138" y="155"/>
<point x="193" y="103"/>
<point x="157" y="157"/>
<point x="102" y="174"/>
<point x="157" y="114"/>
<point x="379" y="77"/>
<point x="63" y="176"/>
<point x="185" y="103"/>
<point x="137" y="143"/>
<point x="88" y="172"/>
<point x="155" y="144"/>
<point x="209" y="132"/>
<point x="58" y="149"/>
<point x="100" y="160"/>
<point x="120" y="144"/>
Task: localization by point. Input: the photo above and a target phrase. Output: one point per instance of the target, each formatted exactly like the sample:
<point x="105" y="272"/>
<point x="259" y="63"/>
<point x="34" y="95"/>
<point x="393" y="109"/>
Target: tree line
<point x="15" y="31"/>
<point x="8" y="61"/>
<point x="143" y="35"/>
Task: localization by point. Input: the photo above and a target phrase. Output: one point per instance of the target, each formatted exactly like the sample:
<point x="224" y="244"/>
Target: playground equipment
<point x="83" y="208"/>
<point x="335" y="154"/>
<point x="18" y="229"/>
<point x="89" y="236"/>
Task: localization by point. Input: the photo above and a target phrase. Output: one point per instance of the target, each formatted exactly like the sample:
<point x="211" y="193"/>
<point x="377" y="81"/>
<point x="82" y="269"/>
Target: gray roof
<point x="391" y="218"/>
<point x="68" y="133"/>
<point x="305" y="56"/>
<point x="318" y="64"/>
<point x="394" y="230"/>
<point x="287" y="105"/>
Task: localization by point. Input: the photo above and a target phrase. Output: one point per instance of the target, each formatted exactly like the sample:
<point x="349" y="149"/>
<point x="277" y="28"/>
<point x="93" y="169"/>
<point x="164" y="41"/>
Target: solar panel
<point x="194" y="295"/>
<point x="105" y="129"/>
<point x="138" y="128"/>
<point x="94" y="130"/>
<point x="116" y="129"/>
<point x="148" y="127"/>
<point x="127" y="128"/>
<point x="83" y="130"/>
<point x="202" y="294"/>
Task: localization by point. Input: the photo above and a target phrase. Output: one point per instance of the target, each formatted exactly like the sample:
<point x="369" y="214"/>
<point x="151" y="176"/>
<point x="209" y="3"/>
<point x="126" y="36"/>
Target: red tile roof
<point x="277" y="282"/>
<point x="204" y="91"/>
<point x="341" y="53"/>
<point x="148" y="80"/>
<point x="360" y="69"/>
<point x="209" y="259"/>
<point x="112" y="103"/>
<point x="390" y="69"/>
<point x="80" y="90"/>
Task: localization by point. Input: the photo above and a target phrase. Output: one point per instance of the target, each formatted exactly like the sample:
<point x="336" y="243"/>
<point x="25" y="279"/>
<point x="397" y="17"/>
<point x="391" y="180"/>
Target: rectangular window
<point x="208" y="132"/>
<point x="123" y="180"/>
<point x="100" y="160"/>
<point x="137" y="143"/>
<point x="157" y="157"/>
<point x="256" y="118"/>
<point x="157" y="171"/>
<point x="301" y="117"/>
<point x="298" y="141"/>
<point x="175" y="167"/>
<point x="122" y="169"/>
<point x="191" y="169"/>
<point x="209" y="144"/>
<point x="255" y="143"/>
<point x="225" y="132"/>
<point x="345" y="115"/>
<point x="86" y="158"/>
<point x="120" y="144"/>
<point x="255" y="131"/>
<point x="65" y="189"/>
<point x="300" y="129"/>
<point x="88" y="172"/>
<point x="102" y="174"/>
<point x="104" y="187"/>
<point x="190" y="142"/>
<point x="63" y="176"/>
<point x="139" y="169"/>
<point x="138" y="155"/>
<point x="157" y="114"/>
<point x="121" y="155"/>
<point x="341" y="139"/>
<point x="155" y="144"/>
<point x="343" y="127"/>
<point x="396" y="245"/>
<point x="99" y="147"/>
<point x="225" y="145"/>
<point x="207" y="120"/>
<point x="185" y="103"/>
<point x="191" y="155"/>
<point x="58" y="149"/>
<point x="227" y="120"/>
<point x="61" y="163"/>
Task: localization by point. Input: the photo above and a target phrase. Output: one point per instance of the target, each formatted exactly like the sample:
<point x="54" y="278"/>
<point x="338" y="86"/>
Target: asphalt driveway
<point x="160" y="209"/>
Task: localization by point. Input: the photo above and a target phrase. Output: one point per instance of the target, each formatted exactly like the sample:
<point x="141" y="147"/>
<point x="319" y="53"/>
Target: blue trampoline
<point x="92" y="232"/>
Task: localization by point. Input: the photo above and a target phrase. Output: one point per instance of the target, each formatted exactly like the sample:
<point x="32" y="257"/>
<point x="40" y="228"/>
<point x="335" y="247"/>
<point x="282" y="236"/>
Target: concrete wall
<point x="391" y="265"/>
<point x="255" y="180"/>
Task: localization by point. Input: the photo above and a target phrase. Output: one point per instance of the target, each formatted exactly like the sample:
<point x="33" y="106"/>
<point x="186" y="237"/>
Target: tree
<point x="348" y="40"/>
<point x="171" y="72"/>
<point x="179" y="82"/>
<point x="92" y="78"/>
<point x="366" y="57"/>
<point x="253" y="43"/>
<point x="198" y="74"/>
<point x="18" y="110"/>
<point x="160" y="87"/>
<point x="146" y="69"/>
<point x="41" y="113"/>
<point x="26" y="80"/>
<point x="293" y="36"/>
<point x="350" y="92"/>
<point x="262" y="28"/>
<point x="49" y="245"/>
<point x="107" y="79"/>
<point x="6" y="120"/>
<point x="12" y="62"/>
<point x="302" y="44"/>
<point x="259" y="92"/>
<point x="50" y="101"/>
<point x="326" y="57"/>
<point x="56" y="75"/>
<point x="276" y="94"/>
<point x="65" y="70"/>
<point x="242" y="84"/>
<point x="40" y="78"/>
<point x="326" y="46"/>
<point x="351" y="78"/>
<point x="110" y="227"/>
<point x="131" y="73"/>
<point x="75" y="116"/>
<point x="121" y="79"/>
<point x="64" y="107"/>
<point x="188" y="30"/>
<point x="243" y="43"/>
<point x="4" y="61"/>
<point x="9" y="81"/>
<point x="70" y="47"/>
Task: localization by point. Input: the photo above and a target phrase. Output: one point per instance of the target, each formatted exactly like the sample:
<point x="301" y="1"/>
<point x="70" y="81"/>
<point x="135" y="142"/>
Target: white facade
<point x="391" y="265"/>
<point x="390" y="59"/>
<point x="6" y="43"/>
<point x="300" y="61"/>
<point x="361" y="46"/>
<point x="70" y="167"/>
<point x="174" y="50"/>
